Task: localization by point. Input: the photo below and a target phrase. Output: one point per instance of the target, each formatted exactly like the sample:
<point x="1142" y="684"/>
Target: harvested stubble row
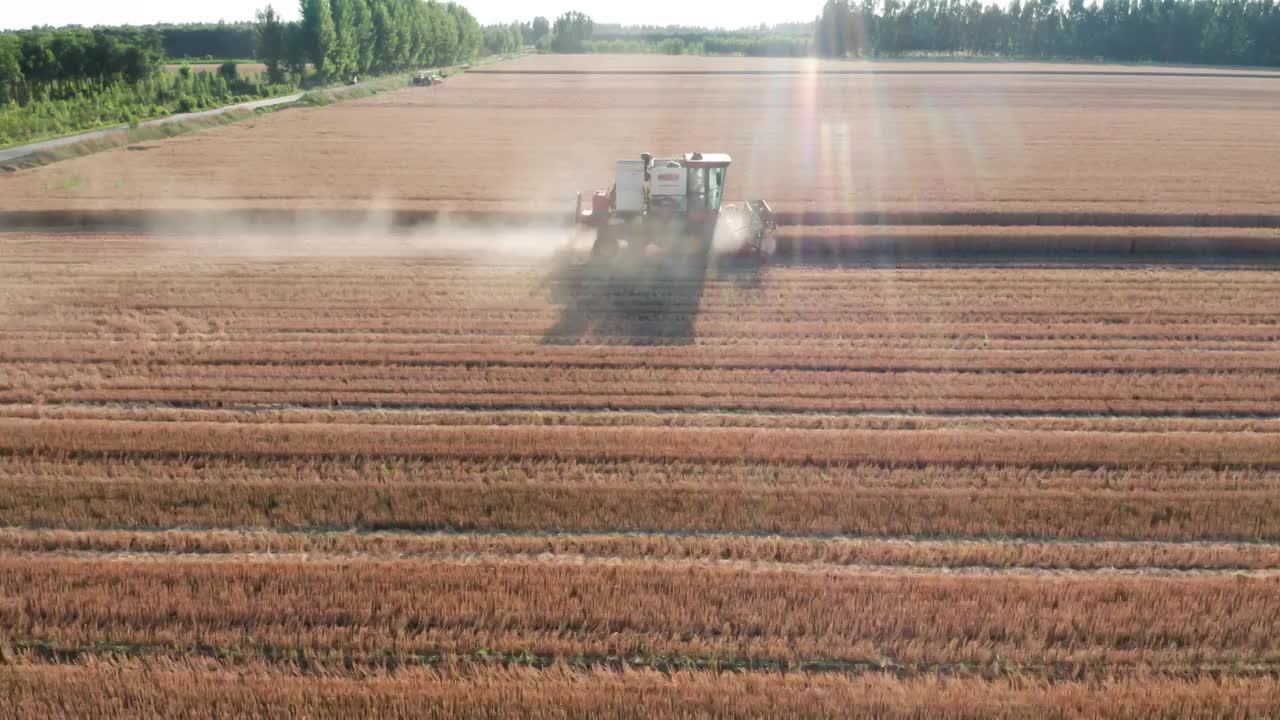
<point x="716" y="328"/>
<point x="846" y="311"/>
<point x="892" y="447"/>
<point x="403" y="285"/>
<point x="684" y="507"/>
<point x="527" y="352"/>
<point x="850" y="304"/>
<point x="645" y="382"/>
<point x="832" y="552"/>
<point x="645" y="609"/>
<point x="857" y="338"/>
<point x="186" y="688"/>
<point x="665" y="401"/>
<point x="690" y="419"/>
<point x="575" y="473"/>
<point x="197" y="284"/>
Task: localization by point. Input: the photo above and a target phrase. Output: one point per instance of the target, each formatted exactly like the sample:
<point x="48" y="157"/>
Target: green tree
<point x="571" y="33"/>
<point x="536" y="30"/>
<point x="271" y="43"/>
<point x="401" y="33"/>
<point x="296" y="49"/>
<point x="10" y="67"/>
<point x="39" y="64"/>
<point x="470" y="35"/>
<point x="444" y="29"/>
<point x="72" y="48"/>
<point x="384" y="39"/>
<point x="362" y="25"/>
<point x="142" y="57"/>
<point x="345" y="57"/>
<point x="833" y="29"/>
<point x="502" y="39"/>
<point x="321" y="36"/>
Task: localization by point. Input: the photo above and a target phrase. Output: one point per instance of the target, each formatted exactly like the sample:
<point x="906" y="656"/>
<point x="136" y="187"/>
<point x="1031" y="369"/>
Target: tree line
<point x="79" y="104"/>
<point x="55" y="82"/>
<point x="1211" y="32"/>
<point x="338" y="38"/>
<point x="1220" y="32"/>
<point x="346" y="38"/>
<point x="503" y="39"/>
<point x="48" y="64"/>
<point x="204" y="40"/>
<point x="575" y="32"/>
<point x="43" y="62"/>
<point x="570" y="33"/>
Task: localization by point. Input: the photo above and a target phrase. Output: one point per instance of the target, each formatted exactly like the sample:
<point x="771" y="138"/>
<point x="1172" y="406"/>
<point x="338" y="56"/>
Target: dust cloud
<point x="377" y="232"/>
<point x="381" y="231"/>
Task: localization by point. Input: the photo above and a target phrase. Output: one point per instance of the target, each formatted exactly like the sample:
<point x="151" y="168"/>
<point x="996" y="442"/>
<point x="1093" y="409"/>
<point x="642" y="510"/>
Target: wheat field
<point x="996" y="434"/>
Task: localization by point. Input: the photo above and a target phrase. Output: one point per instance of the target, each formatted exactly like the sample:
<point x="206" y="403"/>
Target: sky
<point x="18" y="14"/>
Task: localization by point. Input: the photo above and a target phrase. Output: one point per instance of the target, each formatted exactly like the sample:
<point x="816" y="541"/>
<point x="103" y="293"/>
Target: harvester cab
<point x="675" y="204"/>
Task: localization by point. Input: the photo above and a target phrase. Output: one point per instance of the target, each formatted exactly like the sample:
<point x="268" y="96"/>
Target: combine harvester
<point x="675" y="205"/>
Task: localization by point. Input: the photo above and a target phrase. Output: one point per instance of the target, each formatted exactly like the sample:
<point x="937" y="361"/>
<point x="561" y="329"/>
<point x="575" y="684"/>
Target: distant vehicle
<point x="426" y="79"/>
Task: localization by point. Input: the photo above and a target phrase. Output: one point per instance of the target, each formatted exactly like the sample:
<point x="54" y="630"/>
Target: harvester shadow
<point x="626" y="300"/>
